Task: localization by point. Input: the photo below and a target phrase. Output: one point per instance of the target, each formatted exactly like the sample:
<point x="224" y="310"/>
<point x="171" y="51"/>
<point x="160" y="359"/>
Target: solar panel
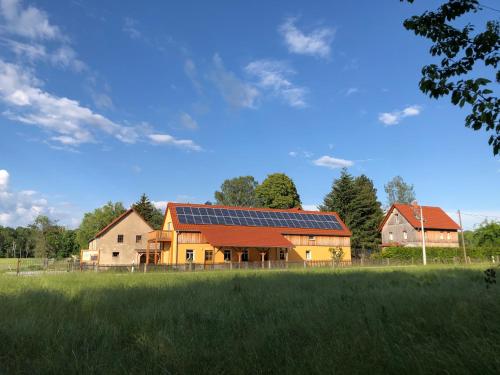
<point x="223" y="216"/>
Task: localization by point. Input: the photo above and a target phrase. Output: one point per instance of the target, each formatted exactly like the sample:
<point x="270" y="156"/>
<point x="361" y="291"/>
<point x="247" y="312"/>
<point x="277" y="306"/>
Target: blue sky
<point x="104" y="101"/>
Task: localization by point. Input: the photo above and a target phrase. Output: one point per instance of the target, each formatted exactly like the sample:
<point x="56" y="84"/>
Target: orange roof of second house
<point x="244" y="234"/>
<point x="434" y="217"/>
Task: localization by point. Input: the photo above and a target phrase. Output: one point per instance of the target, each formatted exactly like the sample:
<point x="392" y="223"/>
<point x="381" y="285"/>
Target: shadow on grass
<point x="407" y="321"/>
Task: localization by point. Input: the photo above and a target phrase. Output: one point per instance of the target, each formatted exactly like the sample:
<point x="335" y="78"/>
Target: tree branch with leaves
<point x="461" y="49"/>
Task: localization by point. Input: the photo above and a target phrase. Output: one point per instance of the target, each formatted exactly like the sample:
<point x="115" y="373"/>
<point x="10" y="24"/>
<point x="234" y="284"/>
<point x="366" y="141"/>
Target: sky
<point x="104" y="101"/>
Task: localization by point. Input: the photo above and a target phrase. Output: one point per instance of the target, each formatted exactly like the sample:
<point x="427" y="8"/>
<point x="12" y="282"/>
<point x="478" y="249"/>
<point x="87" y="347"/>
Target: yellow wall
<point x="298" y="253"/>
<point x="177" y="252"/>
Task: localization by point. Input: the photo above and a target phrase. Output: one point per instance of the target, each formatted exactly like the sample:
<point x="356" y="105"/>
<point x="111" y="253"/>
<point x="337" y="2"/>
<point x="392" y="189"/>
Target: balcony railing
<point x="160" y="235"/>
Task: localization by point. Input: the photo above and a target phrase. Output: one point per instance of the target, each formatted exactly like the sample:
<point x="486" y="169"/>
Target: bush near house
<point x="407" y="253"/>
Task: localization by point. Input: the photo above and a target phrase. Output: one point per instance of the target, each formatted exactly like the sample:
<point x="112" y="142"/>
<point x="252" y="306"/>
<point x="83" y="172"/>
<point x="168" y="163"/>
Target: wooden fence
<point x="34" y="266"/>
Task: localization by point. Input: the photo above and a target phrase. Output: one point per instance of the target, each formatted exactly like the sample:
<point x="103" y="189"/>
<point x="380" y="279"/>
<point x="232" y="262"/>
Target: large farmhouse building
<point x="402" y="227"/>
<point x="194" y="233"/>
<point x="123" y="241"/>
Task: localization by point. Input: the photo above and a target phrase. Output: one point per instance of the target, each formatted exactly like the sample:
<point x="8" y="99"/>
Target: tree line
<point x="45" y="238"/>
<point x="353" y="198"/>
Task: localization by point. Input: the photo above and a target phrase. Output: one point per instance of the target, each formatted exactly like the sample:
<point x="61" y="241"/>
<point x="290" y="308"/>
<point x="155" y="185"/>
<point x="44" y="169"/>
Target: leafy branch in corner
<point x="461" y="49"/>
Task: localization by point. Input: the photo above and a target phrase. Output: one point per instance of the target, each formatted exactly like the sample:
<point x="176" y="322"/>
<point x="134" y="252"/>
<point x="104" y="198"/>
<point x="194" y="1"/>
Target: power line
<point x="479" y="215"/>
<point x="488" y="7"/>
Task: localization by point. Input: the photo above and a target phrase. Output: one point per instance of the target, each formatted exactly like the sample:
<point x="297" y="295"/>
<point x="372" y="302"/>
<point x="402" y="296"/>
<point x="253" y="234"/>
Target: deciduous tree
<point x="461" y="48"/>
<point x="398" y="191"/>
<point x="278" y="191"/>
<point x="238" y="191"/>
<point x="94" y="221"/>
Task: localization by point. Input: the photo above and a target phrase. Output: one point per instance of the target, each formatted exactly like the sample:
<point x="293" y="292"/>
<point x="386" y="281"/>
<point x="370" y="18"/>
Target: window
<point x="405" y="235"/>
<point x="227" y="255"/>
<point x="119" y="239"/>
<point x="93" y="258"/>
<point x="209" y="255"/>
<point x="116" y="254"/>
<point x="189" y="255"/>
<point x="244" y="256"/>
<point x="391" y="237"/>
<point x="312" y="238"/>
<point x="448" y="236"/>
<point x="138" y="238"/>
<point x="169" y="225"/>
<point x="282" y="254"/>
<point x="308" y="255"/>
<point x="396" y="218"/>
<point x="441" y="236"/>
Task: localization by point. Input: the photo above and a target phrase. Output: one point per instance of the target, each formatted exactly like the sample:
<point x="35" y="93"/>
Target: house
<point x="402" y="227"/>
<point x="207" y="234"/>
<point x="123" y="241"/>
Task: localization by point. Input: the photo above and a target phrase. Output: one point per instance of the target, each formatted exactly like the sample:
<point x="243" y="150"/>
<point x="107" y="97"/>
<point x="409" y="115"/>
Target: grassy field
<point x="411" y="320"/>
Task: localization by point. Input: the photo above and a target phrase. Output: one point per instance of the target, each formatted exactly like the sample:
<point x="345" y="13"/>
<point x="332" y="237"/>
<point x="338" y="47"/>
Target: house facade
<point x="123" y="241"/>
<point x="402" y="227"/>
<point x="194" y="233"/>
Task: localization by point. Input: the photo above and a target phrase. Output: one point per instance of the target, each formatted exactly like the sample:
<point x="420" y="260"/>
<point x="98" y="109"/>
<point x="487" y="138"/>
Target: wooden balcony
<point x="160" y="236"/>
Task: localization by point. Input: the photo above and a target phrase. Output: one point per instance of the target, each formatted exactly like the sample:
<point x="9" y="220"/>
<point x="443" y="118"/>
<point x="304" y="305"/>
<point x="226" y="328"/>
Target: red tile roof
<point x="434" y="217"/>
<point x="344" y="232"/>
<point x="225" y="235"/>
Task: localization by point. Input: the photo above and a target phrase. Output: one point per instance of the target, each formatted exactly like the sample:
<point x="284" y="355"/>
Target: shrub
<point x="407" y="253"/>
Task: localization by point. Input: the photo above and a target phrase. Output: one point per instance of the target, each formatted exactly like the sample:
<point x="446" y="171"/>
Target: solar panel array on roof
<point x="254" y="218"/>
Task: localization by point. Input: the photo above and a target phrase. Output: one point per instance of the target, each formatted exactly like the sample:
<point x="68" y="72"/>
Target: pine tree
<point x="341" y="196"/>
<point x="149" y="212"/>
<point x="365" y="215"/>
<point x="355" y="200"/>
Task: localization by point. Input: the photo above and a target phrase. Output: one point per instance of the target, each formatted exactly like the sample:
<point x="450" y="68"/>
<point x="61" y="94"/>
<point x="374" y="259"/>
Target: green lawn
<point x="407" y="320"/>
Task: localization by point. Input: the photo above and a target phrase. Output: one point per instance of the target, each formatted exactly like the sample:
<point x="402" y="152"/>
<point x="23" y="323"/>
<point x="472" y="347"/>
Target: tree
<point x="398" y="191"/>
<point x="487" y="234"/>
<point x="278" y="191"/>
<point x="355" y="201"/>
<point x="94" y="221"/>
<point x="365" y="215"/>
<point x="341" y="196"/>
<point x="461" y="49"/>
<point x="149" y="212"/>
<point x="238" y="191"/>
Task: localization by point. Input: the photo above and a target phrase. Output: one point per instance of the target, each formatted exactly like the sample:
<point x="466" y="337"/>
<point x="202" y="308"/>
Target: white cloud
<point x="169" y="140"/>
<point x="162" y="205"/>
<point x="188" y="122"/>
<point x="32" y="23"/>
<point x="65" y="57"/>
<point x="68" y="122"/>
<point x="272" y="75"/>
<point x="27" y="22"/>
<point x="301" y="153"/>
<point x="20" y="208"/>
<point x="191" y="72"/>
<point x="352" y="90"/>
<point x="395" y="117"/>
<point x="332" y="163"/>
<point x="317" y="43"/>
<point x="130" y="28"/>
<point x="4" y="179"/>
<point x="310" y="207"/>
<point x="237" y="93"/>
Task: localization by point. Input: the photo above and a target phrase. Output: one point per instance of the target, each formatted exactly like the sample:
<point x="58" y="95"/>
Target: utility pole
<point x="463" y="238"/>
<point x="424" y="255"/>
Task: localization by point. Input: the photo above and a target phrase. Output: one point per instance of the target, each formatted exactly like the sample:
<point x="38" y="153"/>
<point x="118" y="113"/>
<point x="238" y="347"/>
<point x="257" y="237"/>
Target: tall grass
<point x="437" y="320"/>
